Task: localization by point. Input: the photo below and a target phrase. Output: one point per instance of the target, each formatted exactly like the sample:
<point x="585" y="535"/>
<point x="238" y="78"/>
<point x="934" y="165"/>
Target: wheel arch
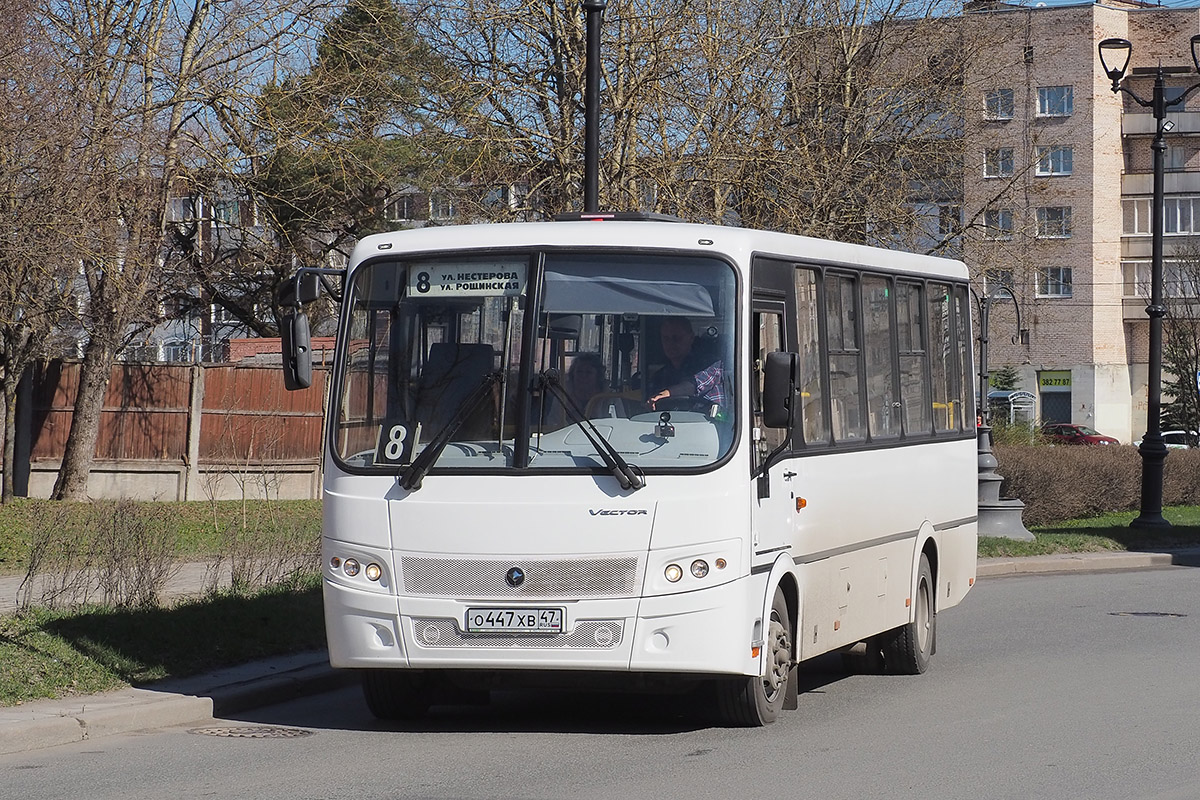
<point x="927" y="545"/>
<point x="783" y="576"/>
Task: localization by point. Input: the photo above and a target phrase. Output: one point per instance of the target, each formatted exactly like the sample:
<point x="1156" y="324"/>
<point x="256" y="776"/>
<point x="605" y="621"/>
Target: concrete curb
<point x="48" y="723"/>
<point x="1085" y="562"/>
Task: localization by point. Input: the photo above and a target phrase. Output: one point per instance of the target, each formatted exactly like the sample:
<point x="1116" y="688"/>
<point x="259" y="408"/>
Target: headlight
<point x="673" y="573"/>
<point x="373" y="571"/>
<point x="699" y="568"/>
<point x="350" y="567"/>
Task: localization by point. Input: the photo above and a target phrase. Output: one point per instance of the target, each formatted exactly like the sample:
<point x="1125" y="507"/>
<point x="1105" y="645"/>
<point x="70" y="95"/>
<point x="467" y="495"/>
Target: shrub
<point x="1059" y="483"/>
<point x="118" y="552"/>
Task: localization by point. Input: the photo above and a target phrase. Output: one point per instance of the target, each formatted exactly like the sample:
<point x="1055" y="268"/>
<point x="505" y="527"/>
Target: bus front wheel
<point x="395" y="694"/>
<point x="751" y="702"/>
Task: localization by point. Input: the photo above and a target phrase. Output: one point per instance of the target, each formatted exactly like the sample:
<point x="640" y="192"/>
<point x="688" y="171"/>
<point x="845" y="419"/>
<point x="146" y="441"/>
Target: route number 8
<point x="396" y="442"/>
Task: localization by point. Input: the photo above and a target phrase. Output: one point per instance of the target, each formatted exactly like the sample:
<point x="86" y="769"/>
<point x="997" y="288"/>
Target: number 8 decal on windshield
<point x="396" y="442"/>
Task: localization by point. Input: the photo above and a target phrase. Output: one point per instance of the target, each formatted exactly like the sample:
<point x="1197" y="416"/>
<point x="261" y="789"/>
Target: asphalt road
<point x="1066" y="686"/>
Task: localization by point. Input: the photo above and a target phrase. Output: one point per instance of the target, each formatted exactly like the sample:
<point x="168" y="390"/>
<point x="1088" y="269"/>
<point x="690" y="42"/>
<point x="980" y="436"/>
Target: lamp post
<point x="985" y="312"/>
<point x="1114" y="59"/>
<point x="997" y="517"/>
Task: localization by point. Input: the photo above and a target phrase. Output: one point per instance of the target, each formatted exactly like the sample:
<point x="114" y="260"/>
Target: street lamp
<point x="985" y="312"/>
<point x="997" y="517"/>
<point x="1114" y="59"/>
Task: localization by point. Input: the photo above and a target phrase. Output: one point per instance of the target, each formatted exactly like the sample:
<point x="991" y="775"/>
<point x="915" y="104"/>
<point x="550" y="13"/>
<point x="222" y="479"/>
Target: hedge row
<point x="1059" y="483"/>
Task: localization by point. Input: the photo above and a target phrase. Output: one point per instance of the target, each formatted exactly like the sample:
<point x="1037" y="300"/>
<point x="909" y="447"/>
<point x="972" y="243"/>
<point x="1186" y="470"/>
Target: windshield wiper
<point x="412" y="475"/>
<point x="628" y="476"/>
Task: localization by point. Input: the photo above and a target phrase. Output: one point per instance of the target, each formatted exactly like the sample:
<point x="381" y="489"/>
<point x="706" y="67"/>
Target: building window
<point x="1055" y="160"/>
<point x="441" y="206"/>
<point x="1135" y="214"/>
<point x="181" y="209"/>
<point x="1177" y="215"/>
<point x="1054" y="282"/>
<point x="998" y="163"/>
<point x="1054" y="222"/>
<point x="1180" y="279"/>
<point x="998" y="104"/>
<point x="220" y="315"/>
<point x="401" y="208"/>
<point x="1056" y="101"/>
<point x="949" y="220"/>
<point x="997" y="278"/>
<point x="1181" y="215"/>
<point x="998" y="224"/>
<point x="225" y="212"/>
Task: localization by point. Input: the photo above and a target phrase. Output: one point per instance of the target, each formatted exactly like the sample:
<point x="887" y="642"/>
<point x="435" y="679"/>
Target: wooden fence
<point x="180" y="432"/>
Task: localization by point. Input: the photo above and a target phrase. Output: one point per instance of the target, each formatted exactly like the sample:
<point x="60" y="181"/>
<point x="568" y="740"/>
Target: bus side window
<point x="845" y="355"/>
<point x="811" y="420"/>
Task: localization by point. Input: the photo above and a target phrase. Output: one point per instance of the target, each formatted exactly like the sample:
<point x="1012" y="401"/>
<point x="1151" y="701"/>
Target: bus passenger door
<point x="775" y="509"/>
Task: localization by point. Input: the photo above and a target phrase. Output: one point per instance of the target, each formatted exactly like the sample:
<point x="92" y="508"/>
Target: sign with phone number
<point x="1058" y="378"/>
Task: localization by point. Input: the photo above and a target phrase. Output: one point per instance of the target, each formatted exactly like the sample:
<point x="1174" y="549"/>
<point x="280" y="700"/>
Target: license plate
<point x="514" y="620"/>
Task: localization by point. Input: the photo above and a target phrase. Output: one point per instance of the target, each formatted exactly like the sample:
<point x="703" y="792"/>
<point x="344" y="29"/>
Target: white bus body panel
<point x="858" y="552"/>
<point x="465" y="525"/>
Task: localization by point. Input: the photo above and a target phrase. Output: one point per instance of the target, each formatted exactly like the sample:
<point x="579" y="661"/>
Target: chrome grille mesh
<point x="592" y="634"/>
<point x="557" y="578"/>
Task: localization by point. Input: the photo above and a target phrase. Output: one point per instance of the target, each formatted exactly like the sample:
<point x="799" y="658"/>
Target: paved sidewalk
<point x="47" y="723"/>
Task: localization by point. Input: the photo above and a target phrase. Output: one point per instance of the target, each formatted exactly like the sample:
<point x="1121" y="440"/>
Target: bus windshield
<point x="627" y="355"/>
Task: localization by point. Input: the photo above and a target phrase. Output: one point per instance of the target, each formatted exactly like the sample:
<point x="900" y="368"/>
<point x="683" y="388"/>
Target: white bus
<point x="680" y="455"/>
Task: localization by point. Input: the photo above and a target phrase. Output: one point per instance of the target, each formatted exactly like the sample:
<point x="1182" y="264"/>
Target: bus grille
<point x="591" y="634"/>
<point x="558" y="578"/>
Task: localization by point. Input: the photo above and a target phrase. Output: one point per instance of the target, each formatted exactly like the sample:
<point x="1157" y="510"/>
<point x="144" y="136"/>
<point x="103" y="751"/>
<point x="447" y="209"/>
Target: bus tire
<point x="395" y="694"/>
<point x="752" y="702"/>
<point x="908" y="648"/>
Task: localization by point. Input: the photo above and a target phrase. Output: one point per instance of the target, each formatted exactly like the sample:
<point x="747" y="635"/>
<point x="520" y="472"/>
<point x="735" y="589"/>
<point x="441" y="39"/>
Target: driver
<point x="685" y="375"/>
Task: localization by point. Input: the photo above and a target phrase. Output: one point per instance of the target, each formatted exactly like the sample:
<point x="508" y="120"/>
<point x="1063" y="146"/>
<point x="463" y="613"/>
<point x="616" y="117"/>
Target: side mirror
<point x="297" y="351"/>
<point x="303" y="287"/>
<point x="779" y="389"/>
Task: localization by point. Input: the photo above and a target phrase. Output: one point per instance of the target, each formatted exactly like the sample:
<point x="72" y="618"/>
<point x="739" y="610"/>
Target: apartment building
<point x="1062" y="167"/>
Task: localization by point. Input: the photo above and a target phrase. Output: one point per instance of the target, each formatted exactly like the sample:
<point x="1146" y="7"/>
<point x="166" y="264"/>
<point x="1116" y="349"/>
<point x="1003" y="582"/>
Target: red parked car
<point x="1069" y="433"/>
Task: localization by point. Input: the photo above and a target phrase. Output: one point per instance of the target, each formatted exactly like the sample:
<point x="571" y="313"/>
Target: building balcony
<point x="1142" y="124"/>
<point x="1142" y="183"/>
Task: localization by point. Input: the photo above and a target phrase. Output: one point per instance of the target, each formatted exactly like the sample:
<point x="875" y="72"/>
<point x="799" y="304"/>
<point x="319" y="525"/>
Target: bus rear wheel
<point x="751" y="702"/>
<point x="395" y="694"/>
<point x="908" y="648"/>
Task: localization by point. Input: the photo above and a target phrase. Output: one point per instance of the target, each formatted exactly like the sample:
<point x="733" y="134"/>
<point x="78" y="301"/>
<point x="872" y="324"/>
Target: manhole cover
<point x="1144" y="614"/>
<point x="253" y="732"/>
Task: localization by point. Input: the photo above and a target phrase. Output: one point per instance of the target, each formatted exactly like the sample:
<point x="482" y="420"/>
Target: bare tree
<point x="38" y="192"/>
<point x="827" y="118"/>
<point x="319" y="152"/>
<point x="1181" y="341"/>
<point x="138" y="75"/>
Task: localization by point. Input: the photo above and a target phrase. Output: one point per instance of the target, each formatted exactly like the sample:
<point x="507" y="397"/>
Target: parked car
<point x="1177" y="440"/>
<point x="1070" y="433"/>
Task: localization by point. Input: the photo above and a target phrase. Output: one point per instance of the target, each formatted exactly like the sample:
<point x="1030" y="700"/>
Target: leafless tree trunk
<point x="142" y="72"/>
<point x="38" y="190"/>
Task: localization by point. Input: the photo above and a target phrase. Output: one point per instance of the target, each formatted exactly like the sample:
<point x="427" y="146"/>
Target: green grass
<point x="203" y="529"/>
<point x="1110" y="532"/>
<point x="54" y="654"/>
